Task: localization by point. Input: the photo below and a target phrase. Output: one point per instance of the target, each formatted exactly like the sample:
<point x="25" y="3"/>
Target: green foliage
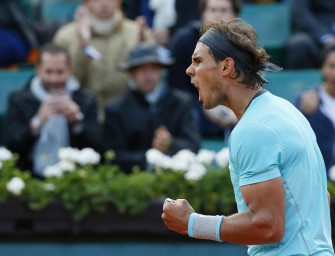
<point x="90" y="188"/>
<point x="214" y="192"/>
<point x="172" y="184"/>
<point x="93" y="188"/>
<point x="132" y="193"/>
<point x="331" y="188"/>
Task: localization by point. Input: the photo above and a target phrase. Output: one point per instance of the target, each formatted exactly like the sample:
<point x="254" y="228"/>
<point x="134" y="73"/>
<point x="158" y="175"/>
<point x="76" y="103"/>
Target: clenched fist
<point x="176" y="214"/>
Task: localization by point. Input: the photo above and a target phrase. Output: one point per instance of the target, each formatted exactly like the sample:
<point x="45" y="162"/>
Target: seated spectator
<point x="183" y="43"/>
<point x="150" y="114"/>
<point x="313" y="29"/>
<point x="51" y="112"/>
<point x="318" y="106"/>
<point x="98" y="40"/>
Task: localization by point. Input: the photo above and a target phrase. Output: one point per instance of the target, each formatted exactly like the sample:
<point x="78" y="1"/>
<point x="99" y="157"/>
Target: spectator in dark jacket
<point x="318" y="106"/>
<point x="313" y="24"/>
<point x="51" y="112"/>
<point x="150" y="114"/>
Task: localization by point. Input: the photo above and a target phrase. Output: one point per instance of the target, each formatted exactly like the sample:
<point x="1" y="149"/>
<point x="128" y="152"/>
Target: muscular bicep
<point x="266" y="202"/>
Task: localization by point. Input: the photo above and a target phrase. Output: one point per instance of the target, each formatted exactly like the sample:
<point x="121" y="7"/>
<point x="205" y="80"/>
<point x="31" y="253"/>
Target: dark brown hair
<point x="53" y="49"/>
<point x="243" y="37"/>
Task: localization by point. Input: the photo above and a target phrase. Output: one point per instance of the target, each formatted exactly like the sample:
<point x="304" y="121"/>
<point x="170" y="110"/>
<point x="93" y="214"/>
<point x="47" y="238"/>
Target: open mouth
<point x="197" y="87"/>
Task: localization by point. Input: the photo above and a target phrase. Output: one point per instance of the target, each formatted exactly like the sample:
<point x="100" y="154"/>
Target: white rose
<point x="68" y="154"/>
<point x="222" y="157"/>
<point x="88" y="156"/>
<point x="154" y="156"/>
<point x="52" y="171"/>
<point x="332" y="173"/>
<point x="66" y="166"/>
<point x="185" y="155"/>
<point x="178" y="164"/>
<point x="5" y="154"/>
<point x="15" y="186"/>
<point x="206" y="156"/>
<point x="195" y="171"/>
<point x="165" y="162"/>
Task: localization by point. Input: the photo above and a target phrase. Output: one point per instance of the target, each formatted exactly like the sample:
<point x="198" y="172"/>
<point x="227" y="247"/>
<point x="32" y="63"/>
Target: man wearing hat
<point x="150" y="114"/>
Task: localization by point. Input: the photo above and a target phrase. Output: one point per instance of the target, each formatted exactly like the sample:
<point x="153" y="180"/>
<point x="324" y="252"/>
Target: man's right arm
<point x="263" y="223"/>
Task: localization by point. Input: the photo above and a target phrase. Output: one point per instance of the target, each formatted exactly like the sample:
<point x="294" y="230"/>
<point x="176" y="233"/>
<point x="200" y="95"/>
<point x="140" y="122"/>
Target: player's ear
<point x="227" y="66"/>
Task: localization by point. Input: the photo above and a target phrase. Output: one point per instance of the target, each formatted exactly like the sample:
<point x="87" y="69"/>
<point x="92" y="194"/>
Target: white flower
<point x="195" y="171"/>
<point x="66" y="166"/>
<point x="88" y="156"/>
<point x="52" y="171"/>
<point x="154" y="156"/>
<point x="222" y="157"/>
<point x="206" y="156"/>
<point x="83" y="157"/>
<point x="5" y="154"/>
<point x="15" y="186"/>
<point x="68" y="154"/>
<point x="183" y="159"/>
<point x="332" y="173"/>
<point x="185" y="155"/>
<point x="158" y="160"/>
<point x="178" y="164"/>
<point x="165" y="162"/>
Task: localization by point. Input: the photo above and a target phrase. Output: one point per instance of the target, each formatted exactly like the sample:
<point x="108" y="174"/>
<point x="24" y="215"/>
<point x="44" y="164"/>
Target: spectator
<point x="318" y="106"/>
<point x="150" y="114"/>
<point x="313" y="24"/>
<point x="51" y="112"/>
<point x="182" y="47"/>
<point x="98" y="40"/>
<point x="169" y="15"/>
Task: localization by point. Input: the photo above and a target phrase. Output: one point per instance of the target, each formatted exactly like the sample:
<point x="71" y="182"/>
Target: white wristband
<point x="205" y="226"/>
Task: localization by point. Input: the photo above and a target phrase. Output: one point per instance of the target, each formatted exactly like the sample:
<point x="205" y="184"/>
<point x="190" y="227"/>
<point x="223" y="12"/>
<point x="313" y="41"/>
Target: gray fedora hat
<point x="146" y="53"/>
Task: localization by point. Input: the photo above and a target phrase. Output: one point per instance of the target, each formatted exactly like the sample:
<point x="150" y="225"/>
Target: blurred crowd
<point x="113" y="77"/>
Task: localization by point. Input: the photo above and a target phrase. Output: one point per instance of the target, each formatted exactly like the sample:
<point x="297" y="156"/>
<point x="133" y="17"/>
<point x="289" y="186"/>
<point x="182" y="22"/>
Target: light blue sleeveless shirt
<point x="274" y="139"/>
